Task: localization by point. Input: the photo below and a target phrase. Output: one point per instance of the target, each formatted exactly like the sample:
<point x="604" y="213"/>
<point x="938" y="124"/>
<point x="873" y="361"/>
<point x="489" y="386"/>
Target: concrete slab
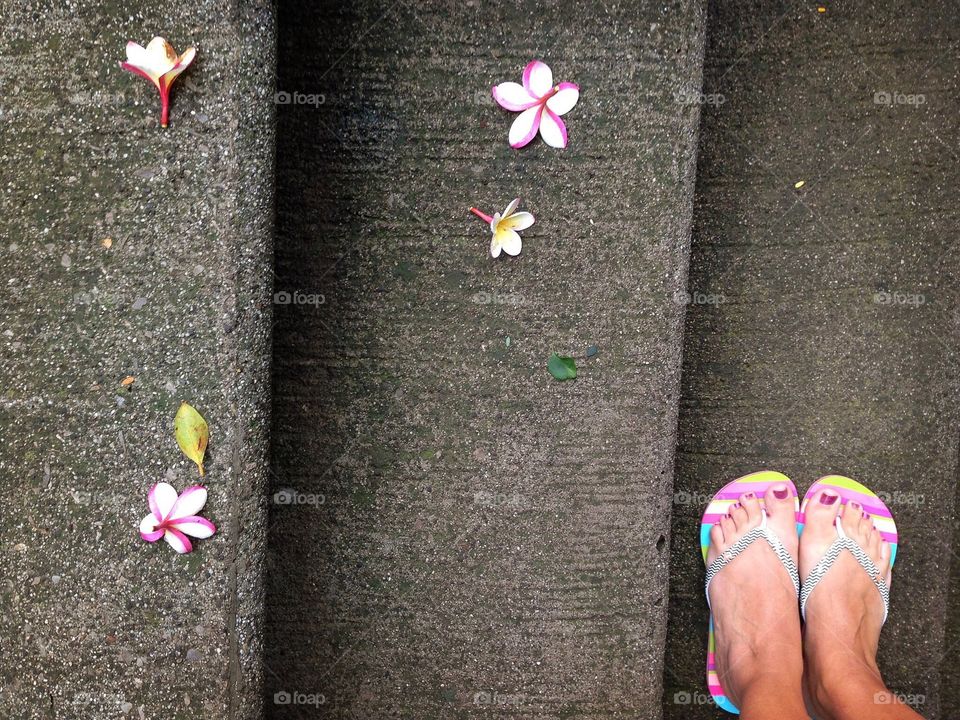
<point x="456" y="534"/>
<point x="834" y="348"/>
<point x="95" y="622"/>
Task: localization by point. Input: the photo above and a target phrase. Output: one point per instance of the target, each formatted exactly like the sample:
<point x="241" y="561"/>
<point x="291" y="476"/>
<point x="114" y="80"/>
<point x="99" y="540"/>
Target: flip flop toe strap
<point x="830" y="557"/>
<point x="758" y="533"/>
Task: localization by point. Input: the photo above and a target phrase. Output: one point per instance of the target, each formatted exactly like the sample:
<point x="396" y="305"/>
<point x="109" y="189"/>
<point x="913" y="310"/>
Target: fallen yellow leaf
<point x="799" y="184"/>
<point x="192" y="433"/>
<point x="107" y="242"/>
<point x="128" y="380"/>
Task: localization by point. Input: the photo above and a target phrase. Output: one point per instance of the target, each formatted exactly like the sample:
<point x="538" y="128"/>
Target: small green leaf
<point x="192" y="433"/>
<point x="562" y="368"/>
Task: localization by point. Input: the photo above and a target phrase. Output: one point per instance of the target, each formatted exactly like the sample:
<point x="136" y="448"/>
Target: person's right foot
<point x="845" y="611"/>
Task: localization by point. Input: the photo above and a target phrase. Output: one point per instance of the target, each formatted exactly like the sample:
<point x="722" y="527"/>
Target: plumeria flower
<point x="540" y="104"/>
<point x="173" y="517"/>
<point x="504" y="227"/>
<point x="159" y="63"/>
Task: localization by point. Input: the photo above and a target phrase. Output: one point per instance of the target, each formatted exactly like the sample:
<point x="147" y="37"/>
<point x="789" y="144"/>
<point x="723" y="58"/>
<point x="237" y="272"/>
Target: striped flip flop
<point x="757" y="483"/>
<point x="851" y="491"/>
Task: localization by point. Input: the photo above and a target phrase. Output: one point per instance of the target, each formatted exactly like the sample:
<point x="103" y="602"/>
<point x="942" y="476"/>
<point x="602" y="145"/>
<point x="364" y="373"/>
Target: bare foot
<point x="844" y="614"/>
<point x="755" y="616"/>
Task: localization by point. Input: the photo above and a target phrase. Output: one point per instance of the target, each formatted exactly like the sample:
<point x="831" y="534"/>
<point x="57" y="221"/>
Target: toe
<point x="778" y="502"/>
<point x="884" y="556"/>
<point x="716" y="539"/>
<point x="850" y="517"/>
<point x="738" y="514"/>
<point x="729" y="530"/>
<point x="751" y="504"/>
<point x="821" y="511"/>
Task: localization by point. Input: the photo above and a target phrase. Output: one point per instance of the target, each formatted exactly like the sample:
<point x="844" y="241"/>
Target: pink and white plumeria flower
<point x="173" y="517"/>
<point x="540" y="104"/>
<point x="159" y="63"/>
<point x="504" y="228"/>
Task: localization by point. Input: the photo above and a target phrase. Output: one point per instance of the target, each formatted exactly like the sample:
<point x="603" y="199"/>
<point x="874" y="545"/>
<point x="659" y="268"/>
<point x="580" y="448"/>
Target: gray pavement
<point x="833" y="349"/>
<point x="94" y="622"/>
<point x="465" y="536"/>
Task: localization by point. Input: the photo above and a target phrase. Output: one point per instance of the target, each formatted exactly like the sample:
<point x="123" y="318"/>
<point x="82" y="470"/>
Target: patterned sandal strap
<point x="757" y="533"/>
<point x="843" y="542"/>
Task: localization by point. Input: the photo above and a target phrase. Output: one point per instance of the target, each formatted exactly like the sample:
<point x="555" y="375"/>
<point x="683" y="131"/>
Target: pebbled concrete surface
<point x="94" y="622"/>
<point x="833" y="348"/>
<point x="454" y="533"/>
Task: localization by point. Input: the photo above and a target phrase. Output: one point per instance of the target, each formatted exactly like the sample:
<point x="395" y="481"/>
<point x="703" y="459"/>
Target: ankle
<point x="845" y="689"/>
<point x="774" y="694"/>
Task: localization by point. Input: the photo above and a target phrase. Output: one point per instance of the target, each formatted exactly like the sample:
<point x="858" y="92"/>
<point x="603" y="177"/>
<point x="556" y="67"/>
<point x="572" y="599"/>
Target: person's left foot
<point x="755" y="616"/>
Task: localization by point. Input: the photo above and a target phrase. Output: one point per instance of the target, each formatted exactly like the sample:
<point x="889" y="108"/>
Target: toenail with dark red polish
<point x="854" y="505"/>
<point x="828" y="499"/>
<point x="780" y="494"/>
<point x="749" y="495"/>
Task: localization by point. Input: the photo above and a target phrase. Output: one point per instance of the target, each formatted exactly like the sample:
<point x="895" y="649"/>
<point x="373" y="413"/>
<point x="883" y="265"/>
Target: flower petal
<point x="517" y="221"/>
<point x="141" y="72"/>
<point x="161" y="55"/>
<point x="537" y="78"/>
<point x="178" y="541"/>
<point x="525" y="127"/>
<point x="162" y="497"/>
<point x="147" y="529"/>
<point x="512" y="96"/>
<point x="194" y="525"/>
<point x="182" y="63"/>
<point x="190" y="502"/>
<point x="494" y="247"/>
<point x="494" y="221"/>
<point x="509" y="241"/>
<point x="552" y="130"/>
<point x="510" y="208"/>
<point x="564" y="99"/>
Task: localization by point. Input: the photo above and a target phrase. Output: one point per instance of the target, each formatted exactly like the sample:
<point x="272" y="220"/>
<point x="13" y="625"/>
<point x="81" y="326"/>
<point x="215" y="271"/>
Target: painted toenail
<point x="854" y="505"/>
<point x="749" y="495"/>
<point x="735" y="506"/>
<point x="780" y="494"/>
<point x="826" y="499"/>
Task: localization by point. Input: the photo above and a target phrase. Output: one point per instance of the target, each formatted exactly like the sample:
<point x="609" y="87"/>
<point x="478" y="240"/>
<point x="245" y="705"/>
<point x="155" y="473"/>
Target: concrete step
<point x="833" y="348"/>
<point x="95" y="623"/>
<point x="455" y="533"/>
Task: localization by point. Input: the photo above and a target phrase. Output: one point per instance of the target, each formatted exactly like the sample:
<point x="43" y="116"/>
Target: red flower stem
<point x="164" y="106"/>
<point x="482" y="216"/>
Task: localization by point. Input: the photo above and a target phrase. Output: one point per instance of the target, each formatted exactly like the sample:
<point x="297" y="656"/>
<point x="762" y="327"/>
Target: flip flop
<point x="851" y="491"/>
<point x="757" y="483"/>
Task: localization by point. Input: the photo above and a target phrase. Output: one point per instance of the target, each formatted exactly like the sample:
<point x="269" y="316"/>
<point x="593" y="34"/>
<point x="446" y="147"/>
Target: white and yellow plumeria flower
<point x="504" y="227"/>
<point x="159" y="63"/>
